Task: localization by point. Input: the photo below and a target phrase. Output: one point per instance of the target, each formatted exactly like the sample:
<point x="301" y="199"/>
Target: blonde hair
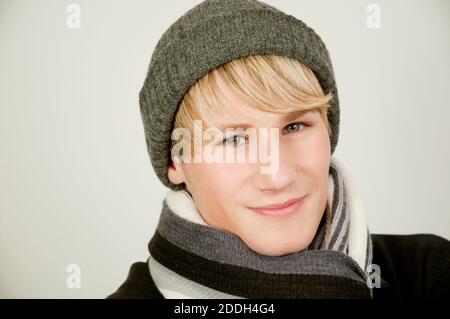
<point x="270" y="83"/>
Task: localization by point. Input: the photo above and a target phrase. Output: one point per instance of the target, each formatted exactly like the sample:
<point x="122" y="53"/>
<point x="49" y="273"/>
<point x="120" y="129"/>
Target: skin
<point x="223" y="192"/>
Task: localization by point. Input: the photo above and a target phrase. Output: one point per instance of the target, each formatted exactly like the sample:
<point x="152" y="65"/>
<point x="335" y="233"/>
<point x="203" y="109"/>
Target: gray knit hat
<point x="213" y="33"/>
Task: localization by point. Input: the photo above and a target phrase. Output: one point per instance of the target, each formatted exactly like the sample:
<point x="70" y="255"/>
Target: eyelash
<point x="301" y="123"/>
<point x="295" y="123"/>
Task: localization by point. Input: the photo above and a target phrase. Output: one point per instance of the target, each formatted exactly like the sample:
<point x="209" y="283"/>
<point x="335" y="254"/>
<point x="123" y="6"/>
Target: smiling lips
<point x="282" y="209"/>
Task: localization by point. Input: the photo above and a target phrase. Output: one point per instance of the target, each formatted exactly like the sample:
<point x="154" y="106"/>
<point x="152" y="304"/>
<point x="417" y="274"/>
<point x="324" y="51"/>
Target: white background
<point x="76" y="185"/>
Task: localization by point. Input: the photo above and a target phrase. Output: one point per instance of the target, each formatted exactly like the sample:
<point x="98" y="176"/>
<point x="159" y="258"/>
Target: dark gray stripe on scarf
<point x="225" y="247"/>
<point x="339" y="224"/>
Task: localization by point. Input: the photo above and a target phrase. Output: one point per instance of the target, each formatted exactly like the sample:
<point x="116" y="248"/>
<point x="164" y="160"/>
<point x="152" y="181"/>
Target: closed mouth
<point x="286" y="208"/>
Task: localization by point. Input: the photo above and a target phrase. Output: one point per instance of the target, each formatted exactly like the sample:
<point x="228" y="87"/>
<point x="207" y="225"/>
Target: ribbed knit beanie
<point x="213" y="33"/>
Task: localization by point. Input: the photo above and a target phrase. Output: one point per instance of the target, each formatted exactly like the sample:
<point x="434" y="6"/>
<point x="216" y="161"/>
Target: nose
<point x="280" y="178"/>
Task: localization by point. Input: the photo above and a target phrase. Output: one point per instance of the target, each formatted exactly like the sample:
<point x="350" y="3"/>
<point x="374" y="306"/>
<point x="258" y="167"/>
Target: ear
<point x="175" y="173"/>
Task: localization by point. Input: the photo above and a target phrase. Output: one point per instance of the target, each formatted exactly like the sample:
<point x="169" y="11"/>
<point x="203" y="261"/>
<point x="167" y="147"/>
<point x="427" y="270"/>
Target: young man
<point x="241" y="116"/>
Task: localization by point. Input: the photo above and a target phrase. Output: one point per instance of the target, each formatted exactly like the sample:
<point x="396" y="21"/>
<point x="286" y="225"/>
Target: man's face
<point x="226" y="194"/>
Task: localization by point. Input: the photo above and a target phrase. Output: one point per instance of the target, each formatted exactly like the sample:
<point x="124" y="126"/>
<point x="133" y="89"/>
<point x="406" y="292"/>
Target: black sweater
<point x="412" y="267"/>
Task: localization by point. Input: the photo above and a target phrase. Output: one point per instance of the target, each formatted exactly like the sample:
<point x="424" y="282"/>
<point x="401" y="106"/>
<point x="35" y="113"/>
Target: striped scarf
<point x="190" y="259"/>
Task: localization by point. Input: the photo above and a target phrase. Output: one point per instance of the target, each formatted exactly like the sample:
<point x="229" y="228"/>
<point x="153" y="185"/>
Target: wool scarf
<point x="190" y="259"/>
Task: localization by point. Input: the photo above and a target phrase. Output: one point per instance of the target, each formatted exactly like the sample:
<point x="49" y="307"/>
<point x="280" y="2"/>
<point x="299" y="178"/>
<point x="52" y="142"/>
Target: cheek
<point x="319" y="147"/>
<point x="215" y="188"/>
<point x="215" y="178"/>
<point x="313" y="155"/>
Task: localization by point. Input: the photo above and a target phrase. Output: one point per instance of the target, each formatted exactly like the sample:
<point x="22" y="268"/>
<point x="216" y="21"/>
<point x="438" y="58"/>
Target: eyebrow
<point x="286" y="118"/>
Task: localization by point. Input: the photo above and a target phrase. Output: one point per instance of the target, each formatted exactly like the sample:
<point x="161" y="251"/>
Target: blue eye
<point x="234" y="140"/>
<point x="295" y="127"/>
